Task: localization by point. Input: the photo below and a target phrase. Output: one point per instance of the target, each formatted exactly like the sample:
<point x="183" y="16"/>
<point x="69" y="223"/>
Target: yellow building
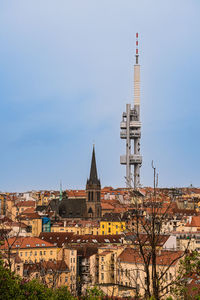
<point x="34" y="221"/>
<point x="3" y="204"/>
<point x="54" y="274"/>
<point x="107" y="270"/>
<point x="80" y="227"/>
<point x="112" y="224"/>
<point x="30" y="249"/>
<point x="14" y="262"/>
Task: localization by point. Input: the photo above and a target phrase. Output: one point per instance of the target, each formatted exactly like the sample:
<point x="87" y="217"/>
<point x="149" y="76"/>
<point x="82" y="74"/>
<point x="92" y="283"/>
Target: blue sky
<point x="66" y="74"/>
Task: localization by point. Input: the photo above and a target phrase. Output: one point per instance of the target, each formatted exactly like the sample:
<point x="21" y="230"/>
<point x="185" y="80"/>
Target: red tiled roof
<point x="56" y="238"/>
<point x="30" y="216"/>
<point x="28" y="210"/>
<point x="29" y="203"/>
<point x="107" y="206"/>
<point x="195" y="222"/>
<point x="25" y="243"/>
<point x="130" y="255"/>
<point x="58" y="265"/>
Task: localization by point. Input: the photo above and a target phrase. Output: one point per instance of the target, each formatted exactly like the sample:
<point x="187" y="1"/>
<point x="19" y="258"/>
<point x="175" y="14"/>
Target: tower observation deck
<point x="131" y="130"/>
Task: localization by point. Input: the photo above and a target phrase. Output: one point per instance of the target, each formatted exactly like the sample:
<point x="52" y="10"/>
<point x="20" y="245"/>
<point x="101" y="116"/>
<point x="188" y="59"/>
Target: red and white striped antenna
<point x="137" y="53"/>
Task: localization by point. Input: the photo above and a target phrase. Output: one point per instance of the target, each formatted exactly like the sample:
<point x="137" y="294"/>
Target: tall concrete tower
<point x="131" y="130"/>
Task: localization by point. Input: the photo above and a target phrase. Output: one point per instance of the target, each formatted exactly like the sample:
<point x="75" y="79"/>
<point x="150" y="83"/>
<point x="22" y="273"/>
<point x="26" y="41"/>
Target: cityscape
<point x="97" y="241"/>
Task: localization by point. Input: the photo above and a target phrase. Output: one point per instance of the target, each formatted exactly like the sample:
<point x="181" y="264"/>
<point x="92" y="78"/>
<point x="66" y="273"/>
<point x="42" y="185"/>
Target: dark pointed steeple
<point x="93" y="191"/>
<point x="93" y="170"/>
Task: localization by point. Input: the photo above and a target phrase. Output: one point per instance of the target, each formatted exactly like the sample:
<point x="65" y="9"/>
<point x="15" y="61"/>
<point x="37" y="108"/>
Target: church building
<point x="84" y="208"/>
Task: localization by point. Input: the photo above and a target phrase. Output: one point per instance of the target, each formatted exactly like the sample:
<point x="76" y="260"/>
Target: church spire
<point x="93" y="170"/>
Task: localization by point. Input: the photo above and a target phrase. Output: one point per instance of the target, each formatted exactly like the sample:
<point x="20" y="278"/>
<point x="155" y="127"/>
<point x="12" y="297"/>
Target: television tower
<point x="131" y="130"/>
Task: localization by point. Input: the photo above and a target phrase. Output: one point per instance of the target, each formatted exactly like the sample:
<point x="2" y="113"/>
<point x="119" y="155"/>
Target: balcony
<point x="135" y="124"/>
<point x="133" y="134"/>
<point x="123" y="125"/>
<point x="134" y="159"/>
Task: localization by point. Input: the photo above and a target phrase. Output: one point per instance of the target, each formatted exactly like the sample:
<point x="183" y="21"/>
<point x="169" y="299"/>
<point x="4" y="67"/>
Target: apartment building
<point x="30" y="249"/>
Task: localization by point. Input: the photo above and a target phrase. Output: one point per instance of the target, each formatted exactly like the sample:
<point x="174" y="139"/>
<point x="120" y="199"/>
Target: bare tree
<point x="148" y="235"/>
<point x="6" y="234"/>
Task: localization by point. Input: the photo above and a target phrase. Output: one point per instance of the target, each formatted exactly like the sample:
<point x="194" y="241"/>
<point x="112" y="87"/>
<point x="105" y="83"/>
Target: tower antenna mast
<point x="131" y="130"/>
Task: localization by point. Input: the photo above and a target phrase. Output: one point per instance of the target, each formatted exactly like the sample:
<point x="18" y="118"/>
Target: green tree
<point x="12" y="286"/>
<point x="93" y="294"/>
<point x="189" y="267"/>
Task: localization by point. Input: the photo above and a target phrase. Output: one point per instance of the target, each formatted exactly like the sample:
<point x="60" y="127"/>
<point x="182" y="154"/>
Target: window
<point x="51" y="252"/>
<point x="21" y="254"/>
<point x="72" y="252"/>
<point x="25" y="253"/>
<point x="74" y="259"/>
<point x="102" y="259"/>
<point x="44" y="252"/>
<point x="102" y="267"/>
<point x="71" y="259"/>
<point x="18" y="268"/>
<point x="116" y="226"/>
<point x="65" y="278"/>
<point x="102" y="226"/>
<point x="102" y="276"/>
<point x="35" y="253"/>
<point x="109" y="229"/>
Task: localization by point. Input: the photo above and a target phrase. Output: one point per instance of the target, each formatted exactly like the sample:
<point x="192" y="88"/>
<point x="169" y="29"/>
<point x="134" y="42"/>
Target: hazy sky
<point x="66" y="74"/>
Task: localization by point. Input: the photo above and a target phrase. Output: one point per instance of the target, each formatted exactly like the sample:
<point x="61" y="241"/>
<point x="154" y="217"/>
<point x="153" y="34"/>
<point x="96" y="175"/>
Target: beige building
<point x="131" y="276"/>
<point x="54" y="274"/>
<point x="69" y="256"/>
<point x="107" y="272"/>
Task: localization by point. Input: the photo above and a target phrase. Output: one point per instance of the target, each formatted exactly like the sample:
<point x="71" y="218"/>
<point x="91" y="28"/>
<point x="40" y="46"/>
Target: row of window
<point x="36" y="253"/>
<point x="103" y="232"/>
<point x="116" y="226"/>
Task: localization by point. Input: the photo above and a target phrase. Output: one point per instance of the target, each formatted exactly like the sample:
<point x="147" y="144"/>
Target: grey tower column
<point x="131" y="130"/>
